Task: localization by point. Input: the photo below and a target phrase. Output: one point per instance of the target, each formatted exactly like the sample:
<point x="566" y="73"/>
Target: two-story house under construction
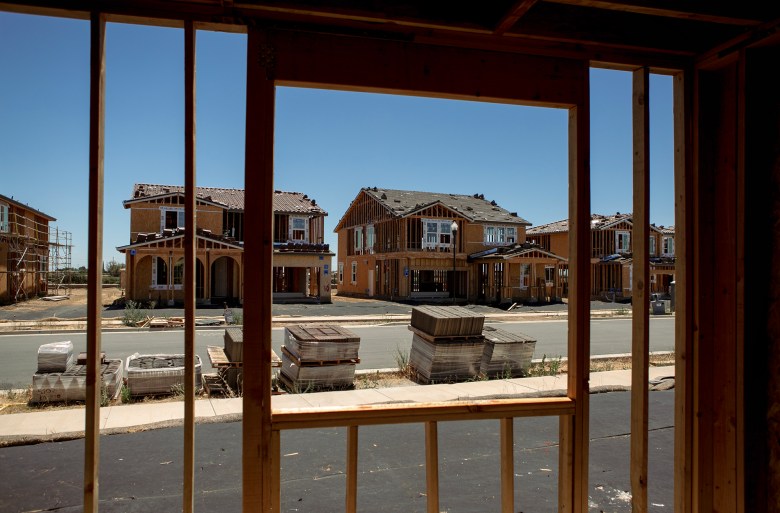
<point x="24" y="250"/>
<point x="612" y="253"/>
<point x="399" y="244"/>
<point x="155" y="255"/>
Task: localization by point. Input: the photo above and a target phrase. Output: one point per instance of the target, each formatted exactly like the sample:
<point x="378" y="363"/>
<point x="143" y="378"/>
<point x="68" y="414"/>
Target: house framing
<point x="612" y="246"/>
<point x="723" y="57"/>
<point x="155" y="255"/>
<point x="24" y="251"/>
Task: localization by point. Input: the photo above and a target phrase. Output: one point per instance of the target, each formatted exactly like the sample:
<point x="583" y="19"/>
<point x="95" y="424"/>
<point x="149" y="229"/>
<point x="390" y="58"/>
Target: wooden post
<point x="352" y="468"/>
<point x="683" y="315"/>
<point x="640" y="332"/>
<point x="94" y="260"/>
<point x="432" y="466"/>
<point x="188" y="494"/>
<point x="259" y="182"/>
<point x="276" y="471"/>
<point x="507" y="465"/>
<point x="573" y="463"/>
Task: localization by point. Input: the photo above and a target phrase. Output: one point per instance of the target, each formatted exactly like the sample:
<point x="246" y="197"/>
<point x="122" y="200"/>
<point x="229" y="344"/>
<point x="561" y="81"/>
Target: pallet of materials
<point x="437" y="360"/>
<point x="234" y="344"/>
<point x="71" y="385"/>
<point x="55" y="357"/>
<point x="316" y="356"/>
<point x="438" y="321"/>
<point x="158" y="374"/>
<point x="506" y="354"/>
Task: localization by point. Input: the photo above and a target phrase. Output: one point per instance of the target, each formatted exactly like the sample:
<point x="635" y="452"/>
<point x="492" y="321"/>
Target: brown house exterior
<point x="155" y="255"/>
<point x="24" y="250"/>
<point x="397" y="244"/>
<point x="611" y="253"/>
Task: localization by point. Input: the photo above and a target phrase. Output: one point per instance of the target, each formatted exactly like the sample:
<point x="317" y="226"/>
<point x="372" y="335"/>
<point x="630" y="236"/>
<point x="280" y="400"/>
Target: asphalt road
<point x="141" y="472"/>
<point x="378" y="346"/>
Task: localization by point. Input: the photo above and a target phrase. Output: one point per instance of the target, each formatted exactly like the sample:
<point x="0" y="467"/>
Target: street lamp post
<point x="454" y="232"/>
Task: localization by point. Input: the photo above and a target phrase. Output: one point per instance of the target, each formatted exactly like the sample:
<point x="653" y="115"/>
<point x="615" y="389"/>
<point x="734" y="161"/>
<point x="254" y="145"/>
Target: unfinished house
<point x="723" y="59"/>
<point x="611" y="253"/>
<point x="155" y="255"/>
<point x="24" y="251"/>
<point x="398" y="244"/>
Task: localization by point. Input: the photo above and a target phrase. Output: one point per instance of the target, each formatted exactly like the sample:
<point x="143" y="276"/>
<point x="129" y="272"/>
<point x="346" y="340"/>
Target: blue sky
<point x="328" y="143"/>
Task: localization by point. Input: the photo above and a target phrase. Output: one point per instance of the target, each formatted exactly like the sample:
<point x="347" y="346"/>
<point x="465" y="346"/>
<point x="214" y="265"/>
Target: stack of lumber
<point x="447" y="344"/>
<point x="71" y="385"/>
<point x="158" y="374"/>
<point x="316" y="357"/>
<point x="506" y="354"/>
<point x="55" y="357"/>
<point x="229" y="360"/>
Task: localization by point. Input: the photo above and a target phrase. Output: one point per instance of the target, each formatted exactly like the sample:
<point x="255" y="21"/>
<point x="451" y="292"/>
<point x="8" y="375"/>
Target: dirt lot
<point x="77" y="296"/>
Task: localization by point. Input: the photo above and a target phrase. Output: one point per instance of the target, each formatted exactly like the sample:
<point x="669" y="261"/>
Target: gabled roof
<point x="475" y="208"/>
<point x="232" y="199"/>
<point x="597" y="222"/>
<point x="19" y="204"/>
<point x="526" y="249"/>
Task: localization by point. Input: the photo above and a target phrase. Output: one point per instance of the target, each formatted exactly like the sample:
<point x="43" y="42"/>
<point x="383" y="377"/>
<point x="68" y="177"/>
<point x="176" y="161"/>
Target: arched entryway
<point x="224" y="280"/>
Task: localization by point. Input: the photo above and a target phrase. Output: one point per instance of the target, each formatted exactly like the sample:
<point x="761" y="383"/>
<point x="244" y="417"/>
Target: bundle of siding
<point x="447" y="344"/>
<point x="316" y="357"/>
<point x="158" y="374"/>
<point x="71" y="384"/>
<point x="506" y="354"/>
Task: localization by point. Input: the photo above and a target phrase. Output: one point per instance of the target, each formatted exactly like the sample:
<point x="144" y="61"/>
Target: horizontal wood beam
<point x="406" y="413"/>
<point x="347" y="63"/>
<point x="673" y="11"/>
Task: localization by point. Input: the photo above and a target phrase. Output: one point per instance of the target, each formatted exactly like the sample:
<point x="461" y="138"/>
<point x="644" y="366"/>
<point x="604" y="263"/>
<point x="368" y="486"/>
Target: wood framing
<point x="724" y="60"/>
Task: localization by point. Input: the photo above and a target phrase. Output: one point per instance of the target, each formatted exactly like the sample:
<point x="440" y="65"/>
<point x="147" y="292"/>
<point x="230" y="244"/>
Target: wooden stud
<point x="683" y="322"/>
<point x="574" y="441"/>
<point x="352" y="468"/>
<point x="276" y="471"/>
<point x="432" y="466"/>
<point x="190" y="224"/>
<point x="258" y="285"/>
<point x="640" y="331"/>
<point x="507" y="465"/>
<point x="94" y="260"/>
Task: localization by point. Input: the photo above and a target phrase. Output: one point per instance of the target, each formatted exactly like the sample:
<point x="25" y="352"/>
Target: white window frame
<point x="178" y="284"/>
<point x="668" y="243"/>
<point x="292" y="229"/>
<point x="625" y="236"/>
<point x="370" y="238"/>
<point x="341" y="272"/>
<point x="498" y="235"/>
<point x="155" y="285"/>
<point x="354" y="272"/>
<point x="179" y="217"/>
<point x="651" y="245"/>
<point x="4" y="213"/>
<point x="440" y="238"/>
<point x="358" y="240"/>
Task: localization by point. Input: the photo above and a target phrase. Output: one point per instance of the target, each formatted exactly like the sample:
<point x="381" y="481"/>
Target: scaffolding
<point x="60" y="265"/>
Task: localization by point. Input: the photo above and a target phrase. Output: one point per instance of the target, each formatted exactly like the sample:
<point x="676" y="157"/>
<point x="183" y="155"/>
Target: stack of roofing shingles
<point x="451" y="343"/>
<point x="447" y="344"/>
<point x="315" y="357"/>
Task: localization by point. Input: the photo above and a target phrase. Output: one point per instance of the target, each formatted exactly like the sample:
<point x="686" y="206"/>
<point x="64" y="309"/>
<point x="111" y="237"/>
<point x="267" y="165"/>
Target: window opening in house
<point x="178" y="273"/>
<point x="3" y="218"/>
<point x="651" y="245"/>
<point x="358" y="241"/>
<point x="354" y="273"/>
<point x="437" y="234"/>
<point x="172" y="218"/>
<point x="370" y="238"/>
<point x="622" y="241"/>
<point x="549" y="274"/>
<point x="525" y="275"/>
<point x="159" y="273"/>
<point x="341" y="272"/>
<point x="495" y="235"/>
<point x="668" y="246"/>
<point x="299" y="229"/>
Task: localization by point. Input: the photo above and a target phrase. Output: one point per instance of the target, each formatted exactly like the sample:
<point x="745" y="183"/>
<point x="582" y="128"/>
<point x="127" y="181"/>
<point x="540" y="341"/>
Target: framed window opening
<point x="622" y="241"/>
<point x="4" y="217"/>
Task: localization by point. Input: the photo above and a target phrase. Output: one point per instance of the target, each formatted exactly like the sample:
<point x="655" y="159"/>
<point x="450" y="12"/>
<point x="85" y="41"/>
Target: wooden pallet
<point x="317" y="363"/>
<point x="322" y="333"/>
<point x="220" y="360"/>
<point x="293" y="387"/>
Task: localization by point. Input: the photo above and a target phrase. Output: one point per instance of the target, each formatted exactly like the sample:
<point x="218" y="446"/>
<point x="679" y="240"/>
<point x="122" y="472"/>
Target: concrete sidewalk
<point x="69" y="423"/>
